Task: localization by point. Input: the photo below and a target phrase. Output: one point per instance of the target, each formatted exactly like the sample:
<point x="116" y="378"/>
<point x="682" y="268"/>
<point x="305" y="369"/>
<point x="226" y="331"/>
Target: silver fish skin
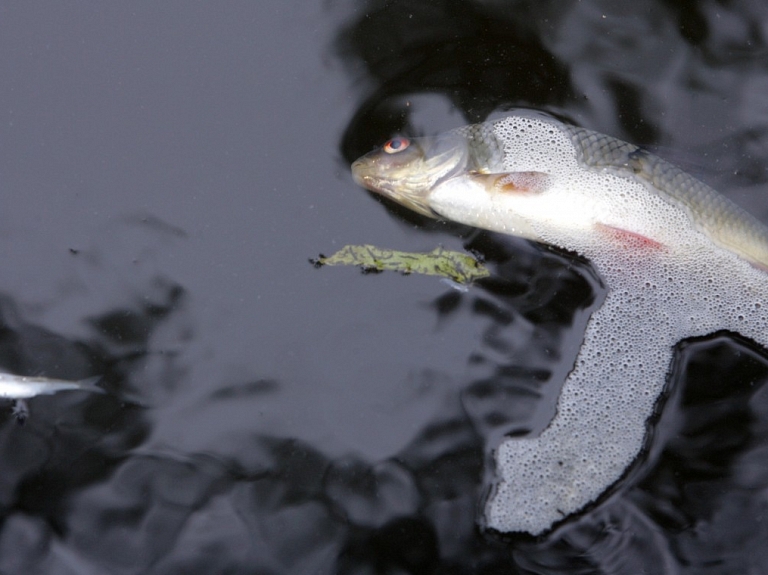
<point x="24" y="387"/>
<point x="459" y="175"/>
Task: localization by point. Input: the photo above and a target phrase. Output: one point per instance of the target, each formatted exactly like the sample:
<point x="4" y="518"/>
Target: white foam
<point x="656" y="297"/>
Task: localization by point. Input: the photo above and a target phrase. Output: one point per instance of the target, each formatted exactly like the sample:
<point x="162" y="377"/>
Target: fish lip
<point x="360" y="179"/>
<point x="371" y="184"/>
<point x="377" y="186"/>
<point x="361" y="174"/>
<point x="363" y="178"/>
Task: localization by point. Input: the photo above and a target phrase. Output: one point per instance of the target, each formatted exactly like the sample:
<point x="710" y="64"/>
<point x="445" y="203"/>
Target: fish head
<point x="406" y="170"/>
<point x="461" y="175"/>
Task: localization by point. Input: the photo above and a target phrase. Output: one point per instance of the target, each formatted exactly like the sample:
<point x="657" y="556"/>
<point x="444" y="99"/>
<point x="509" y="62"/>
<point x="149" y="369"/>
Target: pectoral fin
<point x="514" y="182"/>
<point x="20" y="411"/>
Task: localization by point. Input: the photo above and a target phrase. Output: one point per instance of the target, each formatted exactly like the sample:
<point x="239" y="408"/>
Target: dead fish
<point x="19" y="388"/>
<point x="679" y="260"/>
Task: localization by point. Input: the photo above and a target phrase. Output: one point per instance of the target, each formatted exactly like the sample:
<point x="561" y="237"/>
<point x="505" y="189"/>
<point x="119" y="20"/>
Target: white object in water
<point x="23" y="387"/>
<point x="679" y="261"/>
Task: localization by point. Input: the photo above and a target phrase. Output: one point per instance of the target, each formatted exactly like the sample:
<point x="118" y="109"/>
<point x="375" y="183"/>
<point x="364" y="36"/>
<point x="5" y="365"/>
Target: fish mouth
<point x="385" y="187"/>
<point x="359" y="175"/>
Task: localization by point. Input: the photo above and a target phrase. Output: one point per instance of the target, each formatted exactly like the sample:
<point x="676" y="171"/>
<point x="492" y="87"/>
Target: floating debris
<point x="459" y="267"/>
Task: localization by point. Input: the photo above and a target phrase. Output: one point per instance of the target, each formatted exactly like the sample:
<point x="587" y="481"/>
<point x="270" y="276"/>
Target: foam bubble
<point x="657" y="295"/>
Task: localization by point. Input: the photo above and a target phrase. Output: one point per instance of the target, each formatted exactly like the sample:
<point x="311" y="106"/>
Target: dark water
<point x="166" y="172"/>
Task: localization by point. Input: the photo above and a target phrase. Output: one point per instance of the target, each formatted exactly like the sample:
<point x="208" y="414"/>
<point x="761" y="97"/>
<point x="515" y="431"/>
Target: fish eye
<point x="396" y="145"/>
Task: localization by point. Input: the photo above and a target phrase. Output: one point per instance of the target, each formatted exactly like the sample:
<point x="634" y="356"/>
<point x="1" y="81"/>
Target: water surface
<point x="167" y="172"/>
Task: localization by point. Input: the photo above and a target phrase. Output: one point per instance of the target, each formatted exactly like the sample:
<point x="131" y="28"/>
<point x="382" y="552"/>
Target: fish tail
<point x="89" y="384"/>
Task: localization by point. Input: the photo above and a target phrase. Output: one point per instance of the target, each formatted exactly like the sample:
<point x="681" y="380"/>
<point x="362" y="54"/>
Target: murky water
<point x="167" y="172"/>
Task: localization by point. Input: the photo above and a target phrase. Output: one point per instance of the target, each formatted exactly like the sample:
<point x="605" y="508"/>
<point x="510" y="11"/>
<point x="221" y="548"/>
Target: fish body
<point x="678" y="260"/>
<point x="532" y="176"/>
<point x="24" y="387"/>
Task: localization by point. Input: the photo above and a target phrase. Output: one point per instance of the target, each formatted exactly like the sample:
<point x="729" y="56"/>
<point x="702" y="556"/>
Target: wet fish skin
<point x="25" y="387"/>
<point x="433" y="179"/>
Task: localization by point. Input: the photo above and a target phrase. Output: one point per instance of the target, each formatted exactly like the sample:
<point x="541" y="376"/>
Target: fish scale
<point x="727" y="224"/>
<point x="486" y="150"/>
